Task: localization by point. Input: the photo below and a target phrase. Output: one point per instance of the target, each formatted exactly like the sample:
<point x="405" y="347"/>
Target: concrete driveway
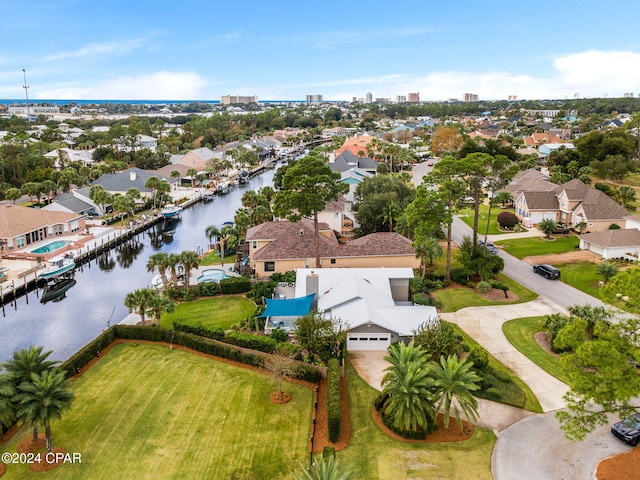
<point x="484" y="325"/>
<point x="535" y="449"/>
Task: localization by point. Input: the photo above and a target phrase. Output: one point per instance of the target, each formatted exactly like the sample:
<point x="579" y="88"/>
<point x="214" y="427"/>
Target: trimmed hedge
<point x="208" y="289"/>
<point x="334" y="407"/>
<point x="88" y="352"/>
<point x="254" y="342"/>
<point x="234" y="285"/>
<point x="214" y="333"/>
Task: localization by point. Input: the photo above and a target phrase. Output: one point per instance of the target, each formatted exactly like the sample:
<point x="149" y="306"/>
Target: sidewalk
<point x="484" y="325"/>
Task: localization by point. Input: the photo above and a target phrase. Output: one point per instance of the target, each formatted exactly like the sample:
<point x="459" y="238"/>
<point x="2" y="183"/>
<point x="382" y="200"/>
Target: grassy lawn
<point x="581" y="275"/>
<point x="453" y="299"/>
<point x="212" y="258"/>
<point x="223" y="312"/>
<point x="526" y="247"/>
<point x="148" y="412"/>
<point x="374" y="455"/>
<point x="466" y="215"/>
<point x="520" y="333"/>
<point x="516" y="393"/>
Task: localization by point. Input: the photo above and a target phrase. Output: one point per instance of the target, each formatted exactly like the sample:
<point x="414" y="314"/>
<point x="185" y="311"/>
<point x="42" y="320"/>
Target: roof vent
<point x="301" y="232"/>
<point x="132" y="176"/>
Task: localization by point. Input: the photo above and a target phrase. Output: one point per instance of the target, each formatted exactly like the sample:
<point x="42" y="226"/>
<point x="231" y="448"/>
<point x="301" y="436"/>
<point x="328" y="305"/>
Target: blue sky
<point x="201" y="50"/>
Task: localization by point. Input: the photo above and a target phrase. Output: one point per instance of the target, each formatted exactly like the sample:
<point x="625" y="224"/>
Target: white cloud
<point x="97" y="49"/>
<point x="591" y="73"/>
<point x="163" y="85"/>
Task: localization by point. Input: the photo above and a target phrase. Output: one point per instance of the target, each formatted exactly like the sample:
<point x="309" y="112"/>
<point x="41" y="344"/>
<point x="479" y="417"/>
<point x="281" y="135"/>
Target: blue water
<point x="97" y="300"/>
<point x="212" y="275"/>
<point x="51" y="247"/>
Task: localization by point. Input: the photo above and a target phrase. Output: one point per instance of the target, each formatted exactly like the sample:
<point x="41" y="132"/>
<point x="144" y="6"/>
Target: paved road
<point x="559" y="293"/>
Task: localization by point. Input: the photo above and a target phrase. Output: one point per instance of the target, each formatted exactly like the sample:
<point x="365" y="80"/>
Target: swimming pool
<point x="51" y="247"/>
<point x="212" y="275"/>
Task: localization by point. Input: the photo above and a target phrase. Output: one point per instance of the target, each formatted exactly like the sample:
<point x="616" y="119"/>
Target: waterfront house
<point x="281" y="246"/>
<point x="130" y="178"/>
<point x="23" y="226"/>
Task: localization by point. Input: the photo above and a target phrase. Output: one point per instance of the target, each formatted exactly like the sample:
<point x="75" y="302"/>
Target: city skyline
<point x="78" y="50"/>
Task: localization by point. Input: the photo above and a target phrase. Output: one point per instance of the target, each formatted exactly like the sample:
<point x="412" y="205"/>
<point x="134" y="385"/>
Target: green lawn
<point x="453" y="299"/>
<point x="581" y="275"/>
<point x="223" y="312"/>
<point x="212" y="258"/>
<point x="466" y="215"/>
<point x="374" y="455"/>
<point x="517" y="393"/>
<point x="147" y="412"/>
<point x="520" y="333"/>
<point x="526" y="247"/>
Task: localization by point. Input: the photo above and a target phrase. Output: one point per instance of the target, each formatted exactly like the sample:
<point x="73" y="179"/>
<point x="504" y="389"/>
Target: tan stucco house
<point x="281" y="246"/>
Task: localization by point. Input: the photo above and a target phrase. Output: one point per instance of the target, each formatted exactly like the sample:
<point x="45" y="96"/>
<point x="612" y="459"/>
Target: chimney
<point x="132" y="176"/>
<point x="313" y="281"/>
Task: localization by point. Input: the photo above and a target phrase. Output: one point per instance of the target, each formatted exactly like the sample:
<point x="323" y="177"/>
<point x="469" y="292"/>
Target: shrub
<point x="262" y="290"/>
<point x="380" y="400"/>
<point x="334" y="407"/>
<point x="209" y="289"/>
<point x="483" y="287"/>
<point x="604" y="188"/>
<point x="328" y="452"/>
<point x="279" y="335"/>
<point x="460" y="275"/>
<point x="409" y="434"/>
<point x="438" y="338"/>
<point x="479" y="357"/>
<point x="614" y="226"/>
<point x="507" y="220"/>
<point x="285" y="277"/>
<point x="234" y="285"/>
<point x="254" y="342"/>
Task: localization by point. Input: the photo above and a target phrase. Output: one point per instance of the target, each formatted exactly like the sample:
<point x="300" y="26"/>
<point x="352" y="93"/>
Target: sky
<point x="201" y="50"/>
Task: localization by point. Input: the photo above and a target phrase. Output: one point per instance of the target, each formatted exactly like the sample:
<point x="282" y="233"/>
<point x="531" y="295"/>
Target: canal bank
<point x="96" y="300"/>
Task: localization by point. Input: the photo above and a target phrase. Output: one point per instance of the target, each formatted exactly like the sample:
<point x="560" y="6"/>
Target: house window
<point x="20" y="241"/>
<point x="57" y="229"/>
<point x="75" y="226"/>
<point x="269" y="266"/>
<point x="254" y="245"/>
<point x="333" y="261"/>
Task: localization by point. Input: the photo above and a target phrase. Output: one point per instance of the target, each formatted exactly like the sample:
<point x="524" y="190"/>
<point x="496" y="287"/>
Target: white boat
<point x="57" y="266"/>
<point x="171" y="210"/>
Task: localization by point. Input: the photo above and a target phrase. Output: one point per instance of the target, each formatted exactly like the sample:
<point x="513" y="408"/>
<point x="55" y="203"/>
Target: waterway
<point x="96" y="301"/>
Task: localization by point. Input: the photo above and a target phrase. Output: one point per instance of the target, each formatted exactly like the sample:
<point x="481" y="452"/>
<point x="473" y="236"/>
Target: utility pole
<point x="26" y="93"/>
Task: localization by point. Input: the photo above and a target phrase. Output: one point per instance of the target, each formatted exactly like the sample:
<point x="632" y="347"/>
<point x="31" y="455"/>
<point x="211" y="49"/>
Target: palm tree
<point x="607" y="270"/>
<point x="228" y="235"/>
<point x="547" y="226"/>
<point x="158" y="305"/>
<point x="43" y="399"/>
<point x="427" y="248"/>
<point x="592" y="316"/>
<point x="139" y="300"/>
<point x="152" y="184"/>
<point x="189" y="260"/>
<point x="503" y="197"/>
<point x="7" y="392"/>
<point x="454" y="382"/>
<point x="390" y="213"/>
<point x="23" y="364"/>
<point x="159" y="261"/>
<point x="408" y="386"/>
<point x="192" y="173"/>
<point x="173" y="263"/>
<point x="326" y="468"/>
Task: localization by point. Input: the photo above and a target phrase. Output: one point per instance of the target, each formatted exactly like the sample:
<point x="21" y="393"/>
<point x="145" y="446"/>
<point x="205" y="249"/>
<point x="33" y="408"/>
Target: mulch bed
<point x="45" y="466"/>
<point x="28" y="445"/>
<point x="3" y="469"/>
<point x="451" y="434"/>
<point x="620" y="467"/>
<point x="285" y="397"/>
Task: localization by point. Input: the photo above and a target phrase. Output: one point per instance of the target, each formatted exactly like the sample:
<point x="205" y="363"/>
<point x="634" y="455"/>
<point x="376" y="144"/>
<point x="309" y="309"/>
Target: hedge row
<point x="233" y="285"/>
<point x="214" y="333"/>
<point x="254" y="342"/>
<point x="334" y="407"/>
<point x="88" y="352"/>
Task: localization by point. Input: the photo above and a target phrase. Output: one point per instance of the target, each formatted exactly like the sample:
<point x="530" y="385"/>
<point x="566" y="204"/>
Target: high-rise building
<point x="512" y="98"/>
<point x="414" y="97"/>
<point x="368" y="98"/>
<point x="401" y="99"/>
<point x="628" y="95"/>
<point x="314" y="99"/>
<point x="470" y="97"/>
<point x="229" y="99"/>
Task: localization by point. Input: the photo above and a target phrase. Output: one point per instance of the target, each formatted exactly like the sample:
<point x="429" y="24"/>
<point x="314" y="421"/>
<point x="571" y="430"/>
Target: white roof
<point x="359" y="296"/>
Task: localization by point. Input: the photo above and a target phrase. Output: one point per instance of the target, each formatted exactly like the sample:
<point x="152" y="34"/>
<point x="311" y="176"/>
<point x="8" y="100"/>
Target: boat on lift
<point x="57" y="267"/>
<point x="170" y="210"/>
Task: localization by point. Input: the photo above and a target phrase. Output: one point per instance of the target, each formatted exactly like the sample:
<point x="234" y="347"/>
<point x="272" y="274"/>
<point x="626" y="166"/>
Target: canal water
<point x="96" y="301"/>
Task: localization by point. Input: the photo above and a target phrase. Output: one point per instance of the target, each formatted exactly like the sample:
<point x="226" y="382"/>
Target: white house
<point x="618" y="243"/>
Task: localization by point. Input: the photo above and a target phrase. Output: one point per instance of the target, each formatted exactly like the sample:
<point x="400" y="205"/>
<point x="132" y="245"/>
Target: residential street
<point x="559" y="293"/>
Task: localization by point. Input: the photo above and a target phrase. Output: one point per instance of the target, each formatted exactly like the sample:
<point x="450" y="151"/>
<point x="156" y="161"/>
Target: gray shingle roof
<point x="72" y="203"/>
<point x="614" y="238"/>
<point x="130" y="178"/>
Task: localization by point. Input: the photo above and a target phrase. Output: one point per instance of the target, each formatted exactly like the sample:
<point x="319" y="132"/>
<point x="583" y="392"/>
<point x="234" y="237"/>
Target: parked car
<point x="430" y="164"/>
<point x="628" y="430"/>
<point x="547" y="271"/>
<point x="561" y="228"/>
<point x="491" y="248"/>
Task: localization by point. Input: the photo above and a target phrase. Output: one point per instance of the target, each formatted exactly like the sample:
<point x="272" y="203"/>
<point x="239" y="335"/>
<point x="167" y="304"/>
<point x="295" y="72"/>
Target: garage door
<point x="368" y="341"/>
<point x="550" y="216"/>
<point x="536" y="218"/>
